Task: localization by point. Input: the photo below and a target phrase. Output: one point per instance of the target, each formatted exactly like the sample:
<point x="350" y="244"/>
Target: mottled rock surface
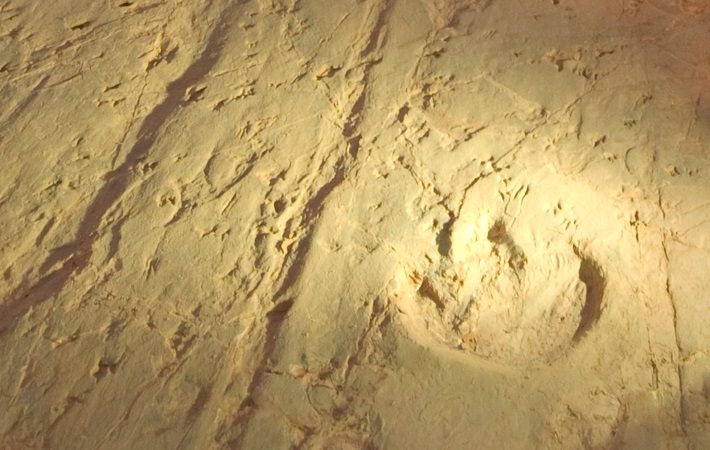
<point x="395" y="224"/>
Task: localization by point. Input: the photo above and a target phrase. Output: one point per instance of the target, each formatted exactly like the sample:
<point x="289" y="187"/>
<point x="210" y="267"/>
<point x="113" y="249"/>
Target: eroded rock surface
<point x="354" y="224"/>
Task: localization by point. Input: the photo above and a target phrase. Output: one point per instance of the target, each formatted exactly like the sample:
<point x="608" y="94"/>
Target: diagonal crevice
<point x="75" y="256"/>
<point x="274" y="320"/>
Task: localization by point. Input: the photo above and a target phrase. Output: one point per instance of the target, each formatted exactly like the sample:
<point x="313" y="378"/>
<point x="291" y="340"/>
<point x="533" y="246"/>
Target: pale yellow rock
<point x="356" y="224"/>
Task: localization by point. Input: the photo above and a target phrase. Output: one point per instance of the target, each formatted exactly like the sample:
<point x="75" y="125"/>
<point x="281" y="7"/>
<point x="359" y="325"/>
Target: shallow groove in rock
<point x="591" y="275"/>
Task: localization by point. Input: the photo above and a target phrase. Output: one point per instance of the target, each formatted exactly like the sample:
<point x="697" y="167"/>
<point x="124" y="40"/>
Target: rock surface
<point x="354" y="224"/>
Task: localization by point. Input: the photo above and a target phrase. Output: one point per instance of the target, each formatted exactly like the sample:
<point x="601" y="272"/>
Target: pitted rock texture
<point x="354" y="224"/>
